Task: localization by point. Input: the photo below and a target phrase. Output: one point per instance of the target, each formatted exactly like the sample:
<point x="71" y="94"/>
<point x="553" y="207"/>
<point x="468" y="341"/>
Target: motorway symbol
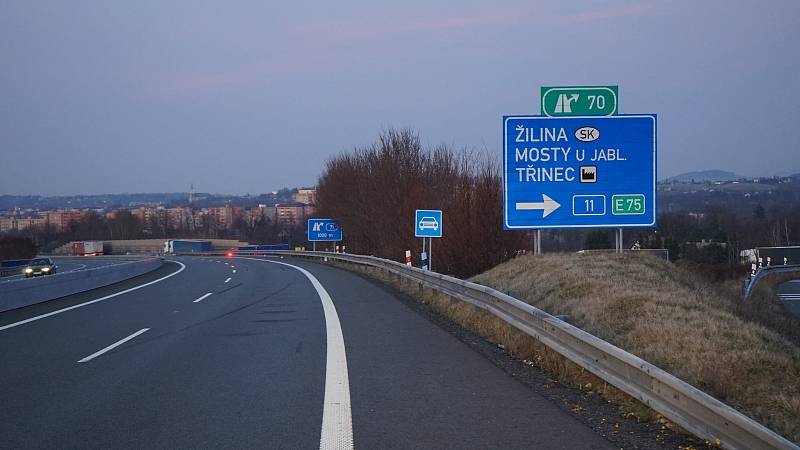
<point x="579" y="100"/>
<point x="428" y="223"/>
<point x="325" y="230"/>
<point x="604" y="167"/>
<point x="547" y="205"/>
<point x="564" y="103"/>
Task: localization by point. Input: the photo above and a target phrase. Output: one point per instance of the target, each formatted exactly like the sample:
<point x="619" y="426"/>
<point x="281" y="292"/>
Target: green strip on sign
<point x="627" y="204"/>
<point x="580" y="100"/>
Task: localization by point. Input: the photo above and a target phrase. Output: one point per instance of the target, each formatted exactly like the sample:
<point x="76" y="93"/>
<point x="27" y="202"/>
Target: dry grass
<point x="671" y="318"/>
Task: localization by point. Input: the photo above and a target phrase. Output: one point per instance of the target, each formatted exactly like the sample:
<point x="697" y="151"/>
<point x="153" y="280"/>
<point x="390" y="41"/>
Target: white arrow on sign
<point x="547" y="205"/>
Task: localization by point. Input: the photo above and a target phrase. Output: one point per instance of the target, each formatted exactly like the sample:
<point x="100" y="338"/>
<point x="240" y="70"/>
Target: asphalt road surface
<point x="789" y="295"/>
<point x="247" y="353"/>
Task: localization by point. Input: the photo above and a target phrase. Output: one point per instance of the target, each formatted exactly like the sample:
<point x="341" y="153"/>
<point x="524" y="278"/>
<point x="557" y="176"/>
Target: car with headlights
<point x="39" y="266"/>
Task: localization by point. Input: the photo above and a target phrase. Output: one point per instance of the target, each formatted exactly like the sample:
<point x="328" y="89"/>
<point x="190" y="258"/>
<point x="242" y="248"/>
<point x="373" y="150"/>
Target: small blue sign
<point x="324" y="230"/>
<point x="428" y="223"/>
<point x="579" y="171"/>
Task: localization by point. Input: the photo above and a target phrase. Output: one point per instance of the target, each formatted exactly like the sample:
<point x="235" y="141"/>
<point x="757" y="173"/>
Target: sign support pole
<point x="421" y="265"/>
<point x="538" y="241"/>
<point x="619" y="240"/>
<point x="314" y="246"/>
<point x="430" y="253"/>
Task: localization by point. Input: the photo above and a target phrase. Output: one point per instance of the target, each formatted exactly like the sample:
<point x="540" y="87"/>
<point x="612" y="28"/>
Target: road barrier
<point x="750" y="283"/>
<point x="24" y="292"/>
<point x="678" y="401"/>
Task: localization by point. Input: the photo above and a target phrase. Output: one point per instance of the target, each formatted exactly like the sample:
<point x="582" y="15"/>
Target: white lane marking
<point x="234" y="270"/>
<point x="229" y="279"/>
<point x="337" y="421"/>
<point x="113" y="346"/>
<point x="53" y="313"/>
<point x="202" y="298"/>
<point x="77" y="268"/>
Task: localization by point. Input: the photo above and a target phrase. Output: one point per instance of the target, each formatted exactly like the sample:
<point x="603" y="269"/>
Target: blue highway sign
<point x="324" y="230"/>
<point x="428" y="223"/>
<point x="581" y="171"/>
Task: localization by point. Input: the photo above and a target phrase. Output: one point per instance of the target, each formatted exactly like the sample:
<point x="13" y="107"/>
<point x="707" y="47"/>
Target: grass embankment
<point x="670" y="317"/>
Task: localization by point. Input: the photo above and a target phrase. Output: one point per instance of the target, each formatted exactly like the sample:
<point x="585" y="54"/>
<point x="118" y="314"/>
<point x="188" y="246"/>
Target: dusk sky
<point x="250" y="96"/>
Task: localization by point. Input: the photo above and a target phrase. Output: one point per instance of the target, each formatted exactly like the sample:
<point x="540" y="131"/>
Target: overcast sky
<point x="249" y="96"/>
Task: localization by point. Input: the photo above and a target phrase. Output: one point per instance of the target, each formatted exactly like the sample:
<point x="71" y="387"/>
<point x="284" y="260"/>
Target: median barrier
<point x="24" y="292"/>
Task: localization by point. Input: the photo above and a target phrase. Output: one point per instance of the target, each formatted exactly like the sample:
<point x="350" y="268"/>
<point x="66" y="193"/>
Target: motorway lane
<point x="72" y="264"/>
<point x="789" y="296"/>
<point x="245" y="367"/>
<point x="223" y="372"/>
<point x="415" y="385"/>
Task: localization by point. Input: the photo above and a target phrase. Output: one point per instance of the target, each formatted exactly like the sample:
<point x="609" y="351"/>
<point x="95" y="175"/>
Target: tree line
<point x="374" y="190"/>
<point x="28" y="242"/>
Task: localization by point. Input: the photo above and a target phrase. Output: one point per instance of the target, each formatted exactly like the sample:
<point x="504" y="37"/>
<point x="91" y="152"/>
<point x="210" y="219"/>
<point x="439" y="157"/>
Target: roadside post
<point x="428" y="225"/>
<point x="323" y="230"/>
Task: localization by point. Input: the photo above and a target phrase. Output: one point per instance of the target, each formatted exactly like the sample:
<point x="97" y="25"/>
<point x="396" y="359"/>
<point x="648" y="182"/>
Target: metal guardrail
<point x="751" y="282"/>
<point x="678" y="401"/>
<point x="11" y="271"/>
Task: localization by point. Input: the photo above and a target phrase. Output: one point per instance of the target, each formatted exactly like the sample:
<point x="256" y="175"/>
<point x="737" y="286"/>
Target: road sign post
<point x="428" y="225"/>
<point x="579" y="172"/>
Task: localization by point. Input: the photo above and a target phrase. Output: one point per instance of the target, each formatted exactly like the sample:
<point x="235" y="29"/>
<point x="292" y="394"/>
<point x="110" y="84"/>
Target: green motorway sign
<point x="627" y="204"/>
<point x="580" y="100"/>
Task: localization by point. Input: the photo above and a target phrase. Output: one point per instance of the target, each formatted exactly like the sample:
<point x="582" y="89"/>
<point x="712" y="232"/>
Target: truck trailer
<point x="87" y="248"/>
<point x="186" y="246"/>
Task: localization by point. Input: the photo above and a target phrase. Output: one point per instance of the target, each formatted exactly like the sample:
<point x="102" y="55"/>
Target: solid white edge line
<point x="202" y="298"/>
<point x="337" y="421"/>
<point x="229" y="279"/>
<point x="113" y="346"/>
<point x="69" y="308"/>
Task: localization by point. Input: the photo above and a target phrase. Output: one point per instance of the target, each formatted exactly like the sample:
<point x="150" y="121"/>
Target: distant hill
<point x="788" y="173"/>
<point x="705" y="175"/>
<point x="116" y="201"/>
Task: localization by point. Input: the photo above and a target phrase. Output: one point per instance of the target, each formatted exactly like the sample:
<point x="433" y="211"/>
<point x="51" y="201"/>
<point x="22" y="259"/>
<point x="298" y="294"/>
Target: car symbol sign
<point x="428" y="223"/>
